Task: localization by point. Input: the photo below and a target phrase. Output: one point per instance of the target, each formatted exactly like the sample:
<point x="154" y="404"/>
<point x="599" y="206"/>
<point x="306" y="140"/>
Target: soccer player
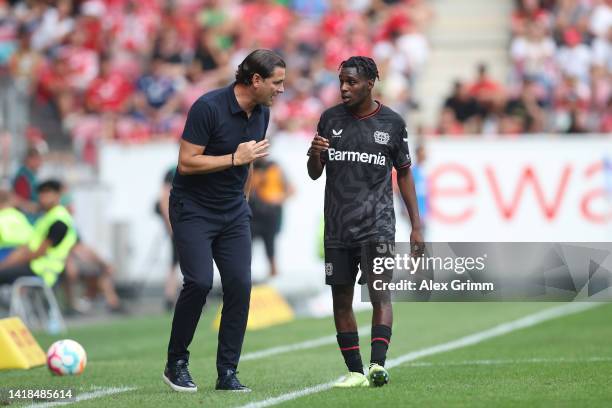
<point x="224" y="133"/>
<point x="359" y="142"/>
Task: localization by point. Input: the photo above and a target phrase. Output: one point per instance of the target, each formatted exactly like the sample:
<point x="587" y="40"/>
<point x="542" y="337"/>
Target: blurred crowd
<point x="561" y="75"/>
<point x="129" y="70"/>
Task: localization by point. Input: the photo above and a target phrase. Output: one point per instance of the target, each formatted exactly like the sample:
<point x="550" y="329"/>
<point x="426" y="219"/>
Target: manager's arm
<point x="193" y="161"/>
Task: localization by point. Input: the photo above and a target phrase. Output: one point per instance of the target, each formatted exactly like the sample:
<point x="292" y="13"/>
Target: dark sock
<point x="381" y="337"/>
<point x="349" y="346"/>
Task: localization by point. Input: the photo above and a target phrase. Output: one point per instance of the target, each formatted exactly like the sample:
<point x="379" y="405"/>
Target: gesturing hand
<point x="249" y="151"/>
<point x="319" y="144"/>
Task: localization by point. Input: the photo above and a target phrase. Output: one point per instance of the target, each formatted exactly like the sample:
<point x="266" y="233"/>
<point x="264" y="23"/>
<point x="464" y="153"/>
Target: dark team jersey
<point x="358" y="165"/>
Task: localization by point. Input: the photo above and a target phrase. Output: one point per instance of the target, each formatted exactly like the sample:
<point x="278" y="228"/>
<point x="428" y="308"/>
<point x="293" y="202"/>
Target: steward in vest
<point x="50" y="243"/>
<point x="15" y="230"/>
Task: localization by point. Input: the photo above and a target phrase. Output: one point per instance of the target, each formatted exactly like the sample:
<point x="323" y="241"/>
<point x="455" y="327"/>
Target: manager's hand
<point x="249" y="151"/>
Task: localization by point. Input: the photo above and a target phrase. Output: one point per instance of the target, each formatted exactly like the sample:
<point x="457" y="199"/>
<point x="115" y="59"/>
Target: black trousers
<point x="11" y="274"/>
<point x="202" y="235"/>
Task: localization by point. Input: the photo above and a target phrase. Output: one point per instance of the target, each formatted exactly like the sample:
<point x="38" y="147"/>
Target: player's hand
<point x="417" y="246"/>
<point x="249" y="151"/>
<point x="319" y="144"/>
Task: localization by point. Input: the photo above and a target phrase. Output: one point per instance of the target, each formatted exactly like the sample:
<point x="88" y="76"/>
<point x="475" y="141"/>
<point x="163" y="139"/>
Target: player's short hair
<point x="366" y="67"/>
<point x="50" y="185"/>
<point x="260" y="62"/>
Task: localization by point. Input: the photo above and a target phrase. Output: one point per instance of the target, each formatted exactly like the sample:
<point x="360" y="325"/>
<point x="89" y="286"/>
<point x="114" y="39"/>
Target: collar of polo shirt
<point x="234" y="106"/>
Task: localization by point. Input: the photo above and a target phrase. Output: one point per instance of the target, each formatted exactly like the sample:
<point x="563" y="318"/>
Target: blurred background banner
<point x="520" y="190"/>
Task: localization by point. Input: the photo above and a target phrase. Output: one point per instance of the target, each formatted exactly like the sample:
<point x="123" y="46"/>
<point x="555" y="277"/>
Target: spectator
<point x="489" y="94"/>
<point x="533" y="55"/>
<point x="25" y="183"/>
<point x="528" y="11"/>
<point x="464" y="106"/>
<point x="57" y="23"/>
<point x="571" y="104"/>
<point x="606" y="122"/>
<point x="574" y="58"/>
<point x="24" y="67"/>
<point x="85" y="264"/>
<point x="110" y="92"/>
<point x="525" y="114"/>
<point x="157" y="100"/>
<point x="269" y="192"/>
<point x="602" y="51"/>
<point x="570" y="14"/>
<point x="601" y="18"/>
<point x="264" y="22"/>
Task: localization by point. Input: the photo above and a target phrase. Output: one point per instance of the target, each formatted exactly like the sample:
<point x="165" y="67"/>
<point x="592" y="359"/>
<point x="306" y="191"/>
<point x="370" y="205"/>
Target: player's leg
<point x="232" y="254"/>
<point x="382" y="317"/>
<point x="382" y="322"/>
<point x="341" y="271"/>
<point x="194" y="232"/>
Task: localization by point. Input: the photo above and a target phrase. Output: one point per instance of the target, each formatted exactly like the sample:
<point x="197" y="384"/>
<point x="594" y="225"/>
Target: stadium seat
<point x="35" y="303"/>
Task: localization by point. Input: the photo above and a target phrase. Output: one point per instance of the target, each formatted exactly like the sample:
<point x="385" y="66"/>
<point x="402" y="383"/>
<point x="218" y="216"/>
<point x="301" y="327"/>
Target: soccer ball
<point x="66" y="357"/>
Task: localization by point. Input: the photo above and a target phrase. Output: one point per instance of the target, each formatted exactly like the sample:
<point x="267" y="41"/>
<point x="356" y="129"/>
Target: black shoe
<point x="229" y="382"/>
<point x="177" y="376"/>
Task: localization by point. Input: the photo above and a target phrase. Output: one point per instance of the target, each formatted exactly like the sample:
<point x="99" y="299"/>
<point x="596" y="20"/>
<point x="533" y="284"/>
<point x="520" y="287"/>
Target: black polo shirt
<point x="216" y="121"/>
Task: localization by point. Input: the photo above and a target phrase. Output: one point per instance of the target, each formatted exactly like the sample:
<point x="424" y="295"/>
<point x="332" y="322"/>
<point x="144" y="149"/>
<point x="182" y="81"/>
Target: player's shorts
<point x="342" y="265"/>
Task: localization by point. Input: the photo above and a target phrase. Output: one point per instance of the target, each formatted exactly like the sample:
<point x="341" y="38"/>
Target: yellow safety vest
<point x="50" y="265"/>
<point x="15" y="230"/>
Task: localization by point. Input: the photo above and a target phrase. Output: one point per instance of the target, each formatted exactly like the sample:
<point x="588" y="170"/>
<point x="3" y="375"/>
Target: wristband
<point x="233" y="160"/>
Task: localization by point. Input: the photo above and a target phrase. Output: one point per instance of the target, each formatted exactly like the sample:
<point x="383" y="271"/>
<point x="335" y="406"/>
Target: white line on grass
<point x="308" y="344"/>
<point x="517" y="361"/>
<point x="102" y="392"/>
<point x="499" y="330"/>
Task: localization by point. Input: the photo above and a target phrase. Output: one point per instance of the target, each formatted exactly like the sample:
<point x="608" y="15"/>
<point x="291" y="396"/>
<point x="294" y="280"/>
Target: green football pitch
<point x="442" y="354"/>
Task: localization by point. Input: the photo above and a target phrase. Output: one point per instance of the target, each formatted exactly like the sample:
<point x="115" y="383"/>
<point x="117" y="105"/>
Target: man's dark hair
<point x="260" y="62"/>
<point x="50" y="185"/>
<point x="366" y="67"/>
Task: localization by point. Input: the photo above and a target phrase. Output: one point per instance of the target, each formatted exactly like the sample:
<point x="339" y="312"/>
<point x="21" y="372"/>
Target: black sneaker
<point x="229" y="382"/>
<point x="177" y="376"/>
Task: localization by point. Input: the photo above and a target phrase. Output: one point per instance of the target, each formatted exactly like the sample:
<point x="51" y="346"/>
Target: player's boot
<point x="353" y="380"/>
<point x="229" y="382"/>
<point x="377" y="375"/>
<point x="177" y="376"/>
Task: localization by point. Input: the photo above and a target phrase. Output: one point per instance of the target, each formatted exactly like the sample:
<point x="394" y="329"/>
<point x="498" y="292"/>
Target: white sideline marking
<point x="102" y="392"/>
<point x="496" y="331"/>
<point x="308" y="344"/>
<point x="518" y="361"/>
